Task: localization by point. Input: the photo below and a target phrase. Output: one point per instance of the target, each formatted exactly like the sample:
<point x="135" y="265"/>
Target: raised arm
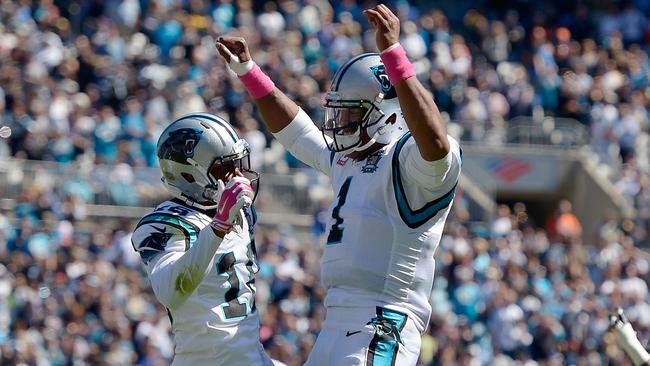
<point x="627" y="339"/>
<point x="276" y="108"/>
<point x="420" y="111"/>
<point x="283" y="117"/>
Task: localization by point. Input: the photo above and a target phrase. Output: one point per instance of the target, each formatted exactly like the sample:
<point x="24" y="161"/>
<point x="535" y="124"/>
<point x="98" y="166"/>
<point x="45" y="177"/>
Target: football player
<point x="199" y="249"/>
<point x="394" y="173"/>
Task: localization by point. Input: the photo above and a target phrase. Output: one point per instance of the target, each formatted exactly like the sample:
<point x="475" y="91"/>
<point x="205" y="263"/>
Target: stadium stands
<point x="89" y="85"/>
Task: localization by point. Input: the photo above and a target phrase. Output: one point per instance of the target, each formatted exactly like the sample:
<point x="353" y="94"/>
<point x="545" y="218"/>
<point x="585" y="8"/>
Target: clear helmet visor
<point x="343" y="122"/>
<point x="225" y="168"/>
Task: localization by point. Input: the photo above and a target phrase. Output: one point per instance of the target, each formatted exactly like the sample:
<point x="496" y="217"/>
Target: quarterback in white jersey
<point x="394" y="173"/>
<point x="199" y="248"/>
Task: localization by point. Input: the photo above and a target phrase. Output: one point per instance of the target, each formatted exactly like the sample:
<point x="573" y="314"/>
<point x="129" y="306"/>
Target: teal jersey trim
<point x="190" y="230"/>
<point x="384" y="346"/>
<point x="415" y="218"/>
<point x="251" y="217"/>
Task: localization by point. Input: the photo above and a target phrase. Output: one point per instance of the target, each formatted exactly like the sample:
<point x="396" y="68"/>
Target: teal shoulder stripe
<point x="332" y="157"/>
<point x="190" y="230"/>
<point x="415" y="218"/>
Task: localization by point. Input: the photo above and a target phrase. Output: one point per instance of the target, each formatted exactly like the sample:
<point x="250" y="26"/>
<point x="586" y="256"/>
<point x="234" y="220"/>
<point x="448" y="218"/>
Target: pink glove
<point x="230" y="199"/>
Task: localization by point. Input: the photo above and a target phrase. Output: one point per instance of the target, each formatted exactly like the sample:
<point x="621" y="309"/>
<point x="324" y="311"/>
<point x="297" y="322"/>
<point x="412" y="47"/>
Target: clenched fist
<point x="233" y="46"/>
<point x="235" y="51"/>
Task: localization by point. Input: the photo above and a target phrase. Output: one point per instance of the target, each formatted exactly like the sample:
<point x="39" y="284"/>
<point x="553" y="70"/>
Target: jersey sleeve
<point x="176" y="263"/>
<point x="423" y="188"/>
<point x="429" y="175"/>
<point x="303" y="139"/>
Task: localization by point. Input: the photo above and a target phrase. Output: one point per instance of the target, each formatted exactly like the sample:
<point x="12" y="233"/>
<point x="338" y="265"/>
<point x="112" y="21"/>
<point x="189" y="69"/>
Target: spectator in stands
<point x="564" y="224"/>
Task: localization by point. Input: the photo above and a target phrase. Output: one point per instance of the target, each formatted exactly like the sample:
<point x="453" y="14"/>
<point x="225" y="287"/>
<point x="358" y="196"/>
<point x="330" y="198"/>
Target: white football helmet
<point x="361" y="97"/>
<point x="192" y="151"/>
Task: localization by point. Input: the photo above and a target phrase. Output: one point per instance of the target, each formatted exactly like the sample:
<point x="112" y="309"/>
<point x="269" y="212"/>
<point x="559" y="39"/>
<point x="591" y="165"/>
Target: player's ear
<point x="392" y="119"/>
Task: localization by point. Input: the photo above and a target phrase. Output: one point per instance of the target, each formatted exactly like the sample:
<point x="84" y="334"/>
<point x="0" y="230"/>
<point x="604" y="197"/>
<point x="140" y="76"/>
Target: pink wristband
<point x="257" y="82"/>
<point x="398" y="66"/>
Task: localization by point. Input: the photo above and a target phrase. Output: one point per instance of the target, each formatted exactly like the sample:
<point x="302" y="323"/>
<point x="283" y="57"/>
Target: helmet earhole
<point x="392" y="119"/>
<point x="188" y="177"/>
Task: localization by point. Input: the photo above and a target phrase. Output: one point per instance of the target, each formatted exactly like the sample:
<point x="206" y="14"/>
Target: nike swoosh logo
<point x="221" y="208"/>
<point x="352" y="333"/>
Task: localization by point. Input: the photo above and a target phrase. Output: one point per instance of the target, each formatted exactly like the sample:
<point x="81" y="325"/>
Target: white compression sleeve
<point x="631" y="345"/>
<point x="175" y="275"/>
<point x="303" y="139"/>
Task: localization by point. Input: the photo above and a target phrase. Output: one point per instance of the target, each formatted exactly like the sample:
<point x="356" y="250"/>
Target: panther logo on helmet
<point x="192" y="149"/>
<point x="361" y="98"/>
<point x="180" y="145"/>
<point x="379" y="71"/>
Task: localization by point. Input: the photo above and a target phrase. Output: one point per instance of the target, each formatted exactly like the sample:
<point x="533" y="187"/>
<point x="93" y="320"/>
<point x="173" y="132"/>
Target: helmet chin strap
<point x="177" y="193"/>
<point x="195" y="204"/>
<point x="364" y="146"/>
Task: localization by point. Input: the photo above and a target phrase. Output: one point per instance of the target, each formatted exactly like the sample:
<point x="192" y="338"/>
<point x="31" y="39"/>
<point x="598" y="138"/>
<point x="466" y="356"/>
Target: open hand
<point x="386" y="24"/>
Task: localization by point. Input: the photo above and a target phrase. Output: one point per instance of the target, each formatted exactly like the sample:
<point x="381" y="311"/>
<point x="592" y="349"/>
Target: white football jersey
<point x="206" y="283"/>
<point x="386" y="220"/>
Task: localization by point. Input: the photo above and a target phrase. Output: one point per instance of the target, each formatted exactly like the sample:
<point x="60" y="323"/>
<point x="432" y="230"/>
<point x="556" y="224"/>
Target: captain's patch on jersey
<point x="371" y="162"/>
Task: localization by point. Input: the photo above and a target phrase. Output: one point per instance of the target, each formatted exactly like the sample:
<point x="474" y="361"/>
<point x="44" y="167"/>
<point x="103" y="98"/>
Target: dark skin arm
<point x="276" y="108"/>
<point x="419" y="109"/>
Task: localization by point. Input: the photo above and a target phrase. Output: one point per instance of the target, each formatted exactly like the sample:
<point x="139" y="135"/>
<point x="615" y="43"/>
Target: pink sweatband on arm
<point x="398" y="66"/>
<point x="257" y="82"/>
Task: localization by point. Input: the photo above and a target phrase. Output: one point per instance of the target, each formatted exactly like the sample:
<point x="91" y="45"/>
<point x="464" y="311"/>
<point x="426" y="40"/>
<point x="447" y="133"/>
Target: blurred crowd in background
<point x="73" y="291"/>
<point x="94" y="82"/>
<point x="89" y="83"/>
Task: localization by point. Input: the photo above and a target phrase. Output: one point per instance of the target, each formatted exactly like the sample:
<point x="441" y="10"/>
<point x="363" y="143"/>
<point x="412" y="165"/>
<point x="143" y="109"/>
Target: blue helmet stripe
<point x="221" y="123"/>
<point x="345" y="68"/>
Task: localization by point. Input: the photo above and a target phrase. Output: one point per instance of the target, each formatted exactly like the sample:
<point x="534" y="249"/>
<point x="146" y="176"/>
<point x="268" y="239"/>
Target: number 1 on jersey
<point x="336" y="231"/>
